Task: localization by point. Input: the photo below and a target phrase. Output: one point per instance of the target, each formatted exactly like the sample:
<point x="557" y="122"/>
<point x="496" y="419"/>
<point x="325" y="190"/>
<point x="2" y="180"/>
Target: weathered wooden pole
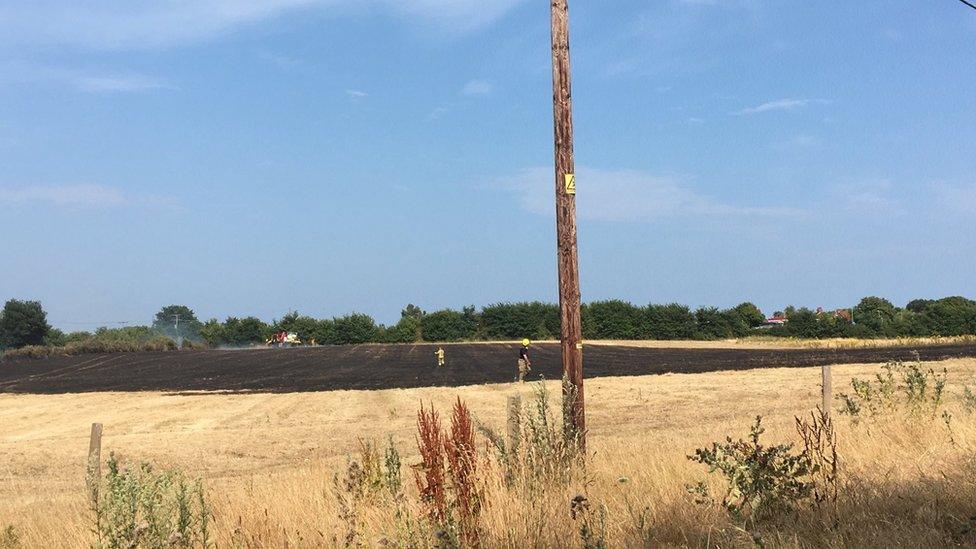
<point x="95" y="447"/>
<point x="94" y="469"/>
<point x="568" y="259"/>
<point x="826" y="390"/>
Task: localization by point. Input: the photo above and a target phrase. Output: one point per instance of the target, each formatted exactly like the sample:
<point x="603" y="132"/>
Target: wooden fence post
<point x="826" y="390"/>
<point x="514" y="423"/>
<point x="94" y="469"/>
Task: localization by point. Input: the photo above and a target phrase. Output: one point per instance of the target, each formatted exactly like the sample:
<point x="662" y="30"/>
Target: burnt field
<point x="398" y="366"/>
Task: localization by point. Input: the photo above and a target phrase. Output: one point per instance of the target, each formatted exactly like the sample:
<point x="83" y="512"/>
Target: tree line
<point x="25" y="323"/>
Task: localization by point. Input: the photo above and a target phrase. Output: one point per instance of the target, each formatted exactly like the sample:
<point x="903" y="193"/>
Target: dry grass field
<point x="268" y="462"/>
<point x="767" y="342"/>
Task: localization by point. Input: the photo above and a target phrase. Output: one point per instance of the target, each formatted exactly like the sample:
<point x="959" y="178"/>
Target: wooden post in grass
<point x="571" y="336"/>
<point x="95" y="448"/>
<point x="826" y="390"/>
<point x="93" y="472"/>
<point x="514" y="423"/>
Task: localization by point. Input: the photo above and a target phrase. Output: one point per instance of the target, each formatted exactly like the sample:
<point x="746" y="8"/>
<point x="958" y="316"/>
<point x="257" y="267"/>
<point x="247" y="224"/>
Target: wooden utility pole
<point x="569" y="289"/>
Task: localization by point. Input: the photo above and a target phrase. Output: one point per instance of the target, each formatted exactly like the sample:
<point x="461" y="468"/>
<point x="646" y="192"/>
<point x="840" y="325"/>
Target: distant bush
<point x="94" y="346"/>
<point x="613" y="319"/>
<point x="535" y="320"/>
<point x="715" y="324"/>
<point x="408" y="330"/>
<point x="449" y="325"/>
<point x="354" y="328"/>
<point x="55" y="338"/>
<point x="672" y="321"/>
<point x="872" y="317"/>
<point x="31" y="351"/>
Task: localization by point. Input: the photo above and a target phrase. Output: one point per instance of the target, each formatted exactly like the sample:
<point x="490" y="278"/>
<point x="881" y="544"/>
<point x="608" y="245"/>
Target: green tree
<point x="325" y="332"/>
<point x="411" y="316"/>
<point x="412" y="311"/>
<point x="714" y="324"/>
<point x="247" y="330"/>
<point x="55" y="338"/>
<point x="354" y="328"/>
<point x="750" y="314"/>
<point x="875" y="314"/>
<point x="918" y="305"/>
<point x="668" y="322"/>
<point x="212" y="332"/>
<point x="23" y="323"/>
<point x="448" y="325"/>
<point x="304" y="326"/>
<point x="803" y="323"/>
<point x="176" y="321"/>
<point x="534" y="320"/>
<point x="910" y="323"/>
<point x="614" y="319"/>
<point x="407" y="330"/>
<point x="951" y="316"/>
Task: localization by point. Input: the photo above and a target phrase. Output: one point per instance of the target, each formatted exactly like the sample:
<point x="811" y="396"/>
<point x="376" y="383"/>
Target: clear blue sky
<point x="333" y="156"/>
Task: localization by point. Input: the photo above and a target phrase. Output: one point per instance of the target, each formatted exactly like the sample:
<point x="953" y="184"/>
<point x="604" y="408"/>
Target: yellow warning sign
<point x="571" y="183"/>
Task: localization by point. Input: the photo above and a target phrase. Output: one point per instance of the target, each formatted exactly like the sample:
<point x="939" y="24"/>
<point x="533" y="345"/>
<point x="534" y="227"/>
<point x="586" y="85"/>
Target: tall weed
<point x="909" y="387"/>
<point x="142" y="507"/>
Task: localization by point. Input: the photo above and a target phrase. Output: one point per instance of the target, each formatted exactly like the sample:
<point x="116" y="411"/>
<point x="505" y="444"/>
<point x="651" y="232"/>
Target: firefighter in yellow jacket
<point x="440" y="356"/>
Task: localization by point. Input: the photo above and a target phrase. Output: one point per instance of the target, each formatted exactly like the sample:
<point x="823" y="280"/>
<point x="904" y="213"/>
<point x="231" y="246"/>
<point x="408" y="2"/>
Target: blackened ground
<point x="398" y="366"/>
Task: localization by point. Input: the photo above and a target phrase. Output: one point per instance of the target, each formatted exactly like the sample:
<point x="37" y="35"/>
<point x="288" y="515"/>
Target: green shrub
<point x="898" y="385"/>
<point x="540" y="451"/>
<point x="55" y="338"/>
<point x="762" y="480"/>
<point x="142" y="507"/>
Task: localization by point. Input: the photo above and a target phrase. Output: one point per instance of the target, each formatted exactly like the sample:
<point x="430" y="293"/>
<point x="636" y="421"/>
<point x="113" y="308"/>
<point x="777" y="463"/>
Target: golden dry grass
<point x="268" y="461"/>
<point x="768" y="342"/>
<point x="765" y="342"/>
